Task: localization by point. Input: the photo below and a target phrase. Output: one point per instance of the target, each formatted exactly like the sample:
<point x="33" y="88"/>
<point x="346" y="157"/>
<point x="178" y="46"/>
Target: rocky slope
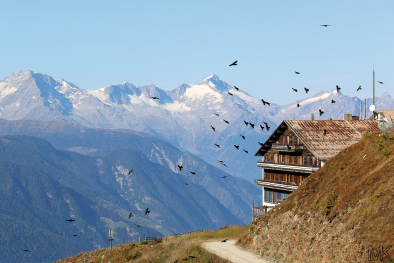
<point x="341" y="213"/>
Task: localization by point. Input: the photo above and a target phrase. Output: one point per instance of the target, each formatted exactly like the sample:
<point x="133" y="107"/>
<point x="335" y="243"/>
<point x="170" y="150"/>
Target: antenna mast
<point x="373" y="86"/>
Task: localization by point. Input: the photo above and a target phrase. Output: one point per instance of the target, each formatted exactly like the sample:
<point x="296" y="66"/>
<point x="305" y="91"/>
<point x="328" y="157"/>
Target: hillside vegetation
<point x="167" y="249"/>
<point x="341" y="213"/>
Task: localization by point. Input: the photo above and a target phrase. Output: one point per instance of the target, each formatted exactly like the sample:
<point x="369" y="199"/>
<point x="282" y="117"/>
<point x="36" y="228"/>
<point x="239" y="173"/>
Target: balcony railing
<point x="287" y="167"/>
<point x="290" y="148"/>
<point x="276" y="185"/>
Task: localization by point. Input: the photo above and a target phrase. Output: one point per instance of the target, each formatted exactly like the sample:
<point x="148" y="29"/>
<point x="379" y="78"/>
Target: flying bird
<point x="333" y="101"/>
<point x="234" y="63"/>
<point x="216" y="114"/>
<point x="297" y="72"/>
<point x="246" y="123"/>
<point x="70" y="220"/>
<point x="185" y="183"/>
<point x="75" y="235"/>
<point x="265" y="102"/>
<point x="220" y="161"/>
<point x="245" y="151"/>
<point x="155" y="98"/>
<point x="359" y="88"/>
<point x="130" y="171"/>
<point x="298" y="105"/>
<point x="325" y="25"/>
<point x="225" y="165"/>
<point x="226" y="121"/>
<point x="224" y="240"/>
<point x="338" y="88"/>
<point x="243" y="137"/>
<point x="236" y="88"/>
<point x="251" y="124"/>
<point x="266" y="125"/>
<point x="262" y="144"/>
<point x="230" y="93"/>
<point x="147" y="211"/>
<point x="137" y="225"/>
<point x="380" y="82"/>
<point x="306" y="90"/>
<point x="262" y="128"/>
<point x="294" y="89"/>
<point x="224" y="176"/>
<point x="131" y="214"/>
<point x="25" y="250"/>
<point x="213" y="128"/>
<point x="217" y="145"/>
<point x="236" y="146"/>
<point x="321" y="112"/>
<point x="180" y="167"/>
<point x="193" y="173"/>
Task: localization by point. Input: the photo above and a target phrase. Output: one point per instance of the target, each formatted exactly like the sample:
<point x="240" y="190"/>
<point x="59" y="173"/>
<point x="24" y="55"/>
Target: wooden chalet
<point x="297" y="148"/>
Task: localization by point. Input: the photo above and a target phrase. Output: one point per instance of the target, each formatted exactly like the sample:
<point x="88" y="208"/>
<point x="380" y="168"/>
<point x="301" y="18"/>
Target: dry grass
<point x="168" y="249"/>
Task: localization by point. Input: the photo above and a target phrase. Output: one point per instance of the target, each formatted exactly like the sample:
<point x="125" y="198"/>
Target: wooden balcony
<point x="276" y="185"/>
<point x="287" y="167"/>
<point x="285" y="148"/>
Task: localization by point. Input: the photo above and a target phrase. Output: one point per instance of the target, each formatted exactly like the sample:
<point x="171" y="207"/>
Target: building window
<point x="270" y="197"/>
<point x="265" y="196"/>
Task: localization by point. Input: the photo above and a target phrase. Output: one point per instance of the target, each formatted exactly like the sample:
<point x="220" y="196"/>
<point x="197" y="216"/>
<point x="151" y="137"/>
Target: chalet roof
<point x="340" y="134"/>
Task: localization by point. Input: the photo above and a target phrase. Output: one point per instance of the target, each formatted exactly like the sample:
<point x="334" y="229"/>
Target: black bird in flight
<point x="246" y="123"/>
<point x="70" y="220"/>
<point x="325" y="25"/>
<point x="213" y="128"/>
<point x="130" y="171"/>
<point x="262" y="127"/>
<point x="225" y="165"/>
<point x="236" y="146"/>
<point x="294" y="89"/>
<point x="234" y="63"/>
<point x="245" y="151"/>
<point x="217" y="145"/>
<point x="25" y="250"/>
<point x="262" y="144"/>
<point x="236" y="88"/>
<point x="147" y="211"/>
<point x="180" y="167"/>
<point x="220" y="162"/>
<point x="338" y="88"/>
<point x="333" y="101"/>
<point x="185" y="183"/>
<point x="297" y="72"/>
<point x="155" y="98"/>
<point x="137" y="225"/>
<point x="226" y="121"/>
<point x="321" y="112"/>
<point x="380" y="82"/>
<point x="359" y="88"/>
<point x="131" y="214"/>
<point x="306" y="90"/>
<point x="224" y="240"/>
<point x="266" y="125"/>
<point x="193" y="173"/>
<point x="298" y="105"/>
<point x="75" y="235"/>
<point x="230" y="93"/>
<point x="224" y="176"/>
<point x="243" y="137"/>
<point x="251" y="124"/>
<point x="216" y="114"/>
<point x="265" y="102"/>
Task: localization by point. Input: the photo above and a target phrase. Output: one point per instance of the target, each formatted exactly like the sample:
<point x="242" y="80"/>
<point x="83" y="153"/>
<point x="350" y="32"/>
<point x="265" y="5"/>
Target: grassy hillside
<point x="338" y="214"/>
<point x="168" y="249"/>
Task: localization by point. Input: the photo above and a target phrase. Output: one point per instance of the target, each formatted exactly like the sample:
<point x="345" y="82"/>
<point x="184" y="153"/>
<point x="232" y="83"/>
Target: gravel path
<point x="228" y="250"/>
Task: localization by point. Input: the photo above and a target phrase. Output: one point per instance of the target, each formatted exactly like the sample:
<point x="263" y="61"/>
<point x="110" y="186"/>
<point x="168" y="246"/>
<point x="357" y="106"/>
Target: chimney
<point x="347" y="116"/>
<point x="312" y="116"/>
<point x="355" y="118"/>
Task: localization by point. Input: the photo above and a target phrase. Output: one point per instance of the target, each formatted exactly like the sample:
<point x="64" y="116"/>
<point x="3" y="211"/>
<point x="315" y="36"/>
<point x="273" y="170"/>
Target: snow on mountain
<point x="182" y="117"/>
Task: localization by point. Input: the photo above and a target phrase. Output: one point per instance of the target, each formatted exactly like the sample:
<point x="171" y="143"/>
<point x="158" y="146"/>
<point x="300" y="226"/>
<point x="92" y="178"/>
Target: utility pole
<point x="111" y="237"/>
<point x="373" y="101"/>
<point x="365" y="108"/>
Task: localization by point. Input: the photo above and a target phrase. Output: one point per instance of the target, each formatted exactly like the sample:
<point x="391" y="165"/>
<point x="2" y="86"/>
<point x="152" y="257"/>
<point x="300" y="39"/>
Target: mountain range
<point x="183" y="117"/>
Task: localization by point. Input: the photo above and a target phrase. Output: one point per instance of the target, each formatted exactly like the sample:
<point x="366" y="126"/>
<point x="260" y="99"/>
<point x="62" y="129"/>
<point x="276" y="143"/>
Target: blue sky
<point x="168" y="43"/>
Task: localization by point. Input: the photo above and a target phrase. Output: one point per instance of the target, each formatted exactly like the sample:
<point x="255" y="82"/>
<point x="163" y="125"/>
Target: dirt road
<point x="230" y="251"/>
